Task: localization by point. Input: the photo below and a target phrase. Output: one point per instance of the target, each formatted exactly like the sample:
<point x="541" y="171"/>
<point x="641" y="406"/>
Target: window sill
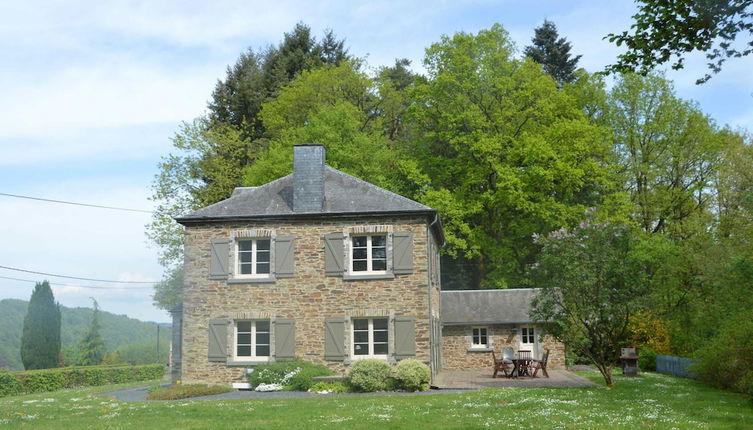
<point x="353" y="277"/>
<point x="269" y="280"/>
<point x="479" y="349"/>
<point x="241" y="363"/>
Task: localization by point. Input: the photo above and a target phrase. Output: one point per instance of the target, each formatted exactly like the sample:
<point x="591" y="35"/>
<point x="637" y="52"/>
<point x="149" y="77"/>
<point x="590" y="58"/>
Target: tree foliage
<point x="592" y="284"/>
<point x="40" y="340"/>
<point x="553" y="53"/>
<point x="665" y="31"/>
<point x="500" y="152"/>
<point x="92" y="346"/>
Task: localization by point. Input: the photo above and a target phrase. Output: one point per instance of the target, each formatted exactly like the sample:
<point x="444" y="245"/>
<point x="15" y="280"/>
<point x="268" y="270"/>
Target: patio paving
<point x="482" y="378"/>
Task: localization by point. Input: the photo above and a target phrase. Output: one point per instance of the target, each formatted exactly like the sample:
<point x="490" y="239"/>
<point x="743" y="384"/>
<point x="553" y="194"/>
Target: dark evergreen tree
<point x="553" y="53"/>
<point x="257" y="76"/>
<point x="92" y="347"/>
<point x="40" y="341"/>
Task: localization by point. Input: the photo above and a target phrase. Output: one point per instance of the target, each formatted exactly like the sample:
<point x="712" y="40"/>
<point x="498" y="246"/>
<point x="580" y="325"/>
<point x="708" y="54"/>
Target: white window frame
<point x="253" y="345"/>
<point x="369" y="257"/>
<point x="371" y="338"/>
<point x="528" y="333"/>
<point x="485" y="335"/>
<point x="254" y="254"/>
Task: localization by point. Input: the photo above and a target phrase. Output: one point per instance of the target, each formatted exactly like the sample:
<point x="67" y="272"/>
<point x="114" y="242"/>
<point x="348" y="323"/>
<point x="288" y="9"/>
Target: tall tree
<point x="553" y="53"/>
<point x="663" y="30"/>
<point x="40" y="341"/>
<point x="501" y="153"/>
<point x="92" y="346"/>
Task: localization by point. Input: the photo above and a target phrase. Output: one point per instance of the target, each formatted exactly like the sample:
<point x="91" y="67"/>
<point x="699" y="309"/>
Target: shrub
<point x="302" y="380"/>
<point x="647" y="359"/>
<point x="329" y="387"/>
<point x="734" y="343"/>
<point x="175" y="392"/>
<point x="369" y="375"/>
<point x="294" y="375"/>
<point x="412" y="375"/>
<point x="35" y="381"/>
<point x="9" y="384"/>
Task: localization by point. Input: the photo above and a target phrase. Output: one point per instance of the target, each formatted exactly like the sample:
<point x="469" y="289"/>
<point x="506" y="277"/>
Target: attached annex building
<point x="317" y="265"/>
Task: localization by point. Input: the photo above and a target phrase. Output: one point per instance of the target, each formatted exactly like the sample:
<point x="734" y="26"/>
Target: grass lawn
<point x="649" y="401"/>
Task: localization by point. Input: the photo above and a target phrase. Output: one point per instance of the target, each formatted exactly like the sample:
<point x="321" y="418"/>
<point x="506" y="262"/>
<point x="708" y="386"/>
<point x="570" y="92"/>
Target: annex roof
<point x="510" y="306"/>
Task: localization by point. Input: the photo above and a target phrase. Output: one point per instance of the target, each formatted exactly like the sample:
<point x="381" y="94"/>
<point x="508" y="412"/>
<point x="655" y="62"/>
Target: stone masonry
<point x="308" y="297"/>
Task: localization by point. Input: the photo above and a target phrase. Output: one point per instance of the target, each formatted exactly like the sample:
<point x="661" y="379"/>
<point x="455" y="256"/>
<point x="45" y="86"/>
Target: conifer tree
<point x="553" y="53"/>
<point x="92" y="345"/>
<point x="40" y="340"/>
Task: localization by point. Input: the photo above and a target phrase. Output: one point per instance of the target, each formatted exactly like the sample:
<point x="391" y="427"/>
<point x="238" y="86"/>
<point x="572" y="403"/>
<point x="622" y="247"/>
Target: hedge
<point x="36" y="381"/>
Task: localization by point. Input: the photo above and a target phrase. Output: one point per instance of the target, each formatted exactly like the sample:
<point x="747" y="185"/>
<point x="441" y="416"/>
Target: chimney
<point x="308" y="178"/>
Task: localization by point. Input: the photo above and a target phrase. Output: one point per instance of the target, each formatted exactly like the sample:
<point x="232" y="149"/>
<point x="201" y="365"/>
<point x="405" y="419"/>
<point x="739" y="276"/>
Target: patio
<point x="482" y="378"/>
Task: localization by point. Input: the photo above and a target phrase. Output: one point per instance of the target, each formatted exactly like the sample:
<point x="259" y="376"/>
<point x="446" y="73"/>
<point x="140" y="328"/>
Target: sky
<point x="92" y="92"/>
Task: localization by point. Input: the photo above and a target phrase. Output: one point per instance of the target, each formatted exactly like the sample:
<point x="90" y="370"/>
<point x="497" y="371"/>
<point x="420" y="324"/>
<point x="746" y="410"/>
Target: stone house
<point x="317" y="265"/>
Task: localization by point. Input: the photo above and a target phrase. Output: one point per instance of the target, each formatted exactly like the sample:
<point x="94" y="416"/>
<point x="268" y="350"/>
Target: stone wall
<point x="308" y="297"/>
<point x="457" y="353"/>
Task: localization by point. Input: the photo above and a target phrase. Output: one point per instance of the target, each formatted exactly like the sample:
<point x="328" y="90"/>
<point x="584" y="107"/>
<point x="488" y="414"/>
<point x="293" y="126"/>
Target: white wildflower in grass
<point x="30" y="401"/>
<point x="75" y="399"/>
<point x="383" y="417"/>
<point x="108" y="416"/>
<point x="339" y="419"/>
<point x="48" y="400"/>
<point x="30" y="417"/>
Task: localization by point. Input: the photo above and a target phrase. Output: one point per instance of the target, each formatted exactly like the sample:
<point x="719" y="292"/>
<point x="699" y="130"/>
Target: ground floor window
<point x="370" y="337"/>
<point x="251" y="339"/>
<point x="479" y="337"/>
<point x="527" y="338"/>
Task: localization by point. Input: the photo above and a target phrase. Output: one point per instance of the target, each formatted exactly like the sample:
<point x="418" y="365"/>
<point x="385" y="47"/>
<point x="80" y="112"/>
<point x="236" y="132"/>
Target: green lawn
<point x="649" y="401"/>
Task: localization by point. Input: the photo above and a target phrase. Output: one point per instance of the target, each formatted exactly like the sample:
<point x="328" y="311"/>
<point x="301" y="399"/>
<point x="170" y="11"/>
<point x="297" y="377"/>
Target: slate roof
<point x="510" y="306"/>
<point x="343" y="194"/>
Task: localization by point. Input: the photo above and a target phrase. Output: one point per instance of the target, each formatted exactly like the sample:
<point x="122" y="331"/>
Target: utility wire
<point x="75" y="203"/>
<point x="77" y="278"/>
<point x="77" y="286"/>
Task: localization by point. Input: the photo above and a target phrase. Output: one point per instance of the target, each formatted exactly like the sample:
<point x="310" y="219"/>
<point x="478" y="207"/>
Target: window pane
<point x="262" y="351"/>
<point x="262" y="244"/>
<point x="245" y="245"/>
<point x="359" y="254"/>
<point x="360" y="336"/>
<point x="359" y="241"/>
<point x="380" y="348"/>
<point x="361" y="324"/>
<point x="262" y="268"/>
<point x="380" y="336"/>
<point x="380" y="323"/>
<point x="244" y="351"/>
<point x="244" y="257"/>
<point x="379" y="265"/>
<point x="262" y="326"/>
<point x="262" y="338"/>
<point x="359" y="266"/>
<point x="379" y="253"/>
<point x="262" y="256"/>
<point x="244" y="338"/>
<point x="361" y="349"/>
<point x="244" y="326"/>
<point x="378" y="240"/>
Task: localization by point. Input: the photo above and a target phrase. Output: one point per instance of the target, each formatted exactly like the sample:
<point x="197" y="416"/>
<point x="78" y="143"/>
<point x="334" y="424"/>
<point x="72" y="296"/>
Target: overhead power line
<point x="76" y="277"/>
<point x="75" y="203"/>
<point x="77" y="286"/>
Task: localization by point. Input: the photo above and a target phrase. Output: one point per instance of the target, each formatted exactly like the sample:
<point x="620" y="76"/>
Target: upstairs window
<point x="253" y="258"/>
<point x="369" y="254"/>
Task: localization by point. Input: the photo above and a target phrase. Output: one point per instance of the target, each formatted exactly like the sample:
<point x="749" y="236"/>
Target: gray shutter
<point x="218" y="268"/>
<point x="402" y="252"/>
<point x="405" y="337"/>
<point x="333" y="254"/>
<point x="218" y="340"/>
<point x="284" y="339"/>
<point x="284" y="264"/>
<point x="334" y="339"/>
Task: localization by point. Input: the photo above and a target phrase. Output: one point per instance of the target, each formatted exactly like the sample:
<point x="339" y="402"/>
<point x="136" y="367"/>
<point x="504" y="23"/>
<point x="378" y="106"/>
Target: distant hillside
<point x="118" y="331"/>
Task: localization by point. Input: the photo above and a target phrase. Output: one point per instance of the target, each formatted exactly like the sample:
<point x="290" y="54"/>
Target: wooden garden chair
<point x="524" y="366"/>
<point x="500" y="364"/>
<point x="541" y="364"/>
